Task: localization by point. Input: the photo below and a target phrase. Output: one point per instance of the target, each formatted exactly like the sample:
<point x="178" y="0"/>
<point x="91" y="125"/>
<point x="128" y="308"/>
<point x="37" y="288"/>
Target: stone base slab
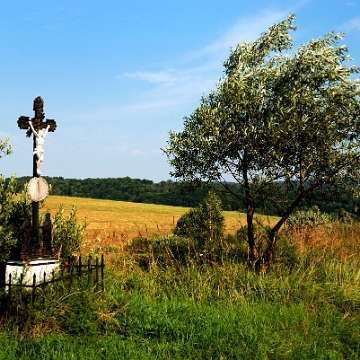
<point x="28" y="269"/>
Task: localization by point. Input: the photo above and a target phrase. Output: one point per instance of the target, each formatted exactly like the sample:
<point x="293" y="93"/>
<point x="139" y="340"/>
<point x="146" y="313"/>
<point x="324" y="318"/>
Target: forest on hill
<point x="175" y="193"/>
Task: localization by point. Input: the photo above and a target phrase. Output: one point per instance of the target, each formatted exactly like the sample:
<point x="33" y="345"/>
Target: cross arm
<point x="52" y="124"/>
<point x="23" y="123"/>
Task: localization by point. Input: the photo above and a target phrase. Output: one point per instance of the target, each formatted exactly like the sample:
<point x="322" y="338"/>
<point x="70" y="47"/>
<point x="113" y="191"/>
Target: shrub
<point x="173" y="248"/>
<point x="139" y="248"/>
<point x="343" y="216"/>
<point x="12" y="213"/>
<point x="204" y="224"/>
<point x="310" y="218"/>
<point x="67" y="234"/>
<point x="164" y="250"/>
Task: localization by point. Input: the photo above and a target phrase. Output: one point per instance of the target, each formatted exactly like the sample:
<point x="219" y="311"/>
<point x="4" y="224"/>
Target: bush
<point x="164" y="250"/>
<point x="173" y="248"/>
<point x="204" y="224"/>
<point x="310" y="218"/>
<point x="12" y="214"/>
<point x="67" y="235"/>
<point x="343" y="216"/>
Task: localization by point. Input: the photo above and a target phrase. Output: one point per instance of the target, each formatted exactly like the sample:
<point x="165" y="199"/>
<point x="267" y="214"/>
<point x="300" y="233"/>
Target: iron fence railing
<point x="94" y="272"/>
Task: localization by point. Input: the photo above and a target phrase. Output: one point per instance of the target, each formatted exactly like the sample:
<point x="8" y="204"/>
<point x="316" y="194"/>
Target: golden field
<point x="112" y="221"/>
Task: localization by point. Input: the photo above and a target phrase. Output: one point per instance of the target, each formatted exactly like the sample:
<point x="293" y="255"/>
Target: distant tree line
<point x="179" y="194"/>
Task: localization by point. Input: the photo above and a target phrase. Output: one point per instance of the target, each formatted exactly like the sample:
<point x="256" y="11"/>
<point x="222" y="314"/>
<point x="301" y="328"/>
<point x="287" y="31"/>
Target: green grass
<point x="303" y="309"/>
<point x="169" y="329"/>
<point x="198" y="312"/>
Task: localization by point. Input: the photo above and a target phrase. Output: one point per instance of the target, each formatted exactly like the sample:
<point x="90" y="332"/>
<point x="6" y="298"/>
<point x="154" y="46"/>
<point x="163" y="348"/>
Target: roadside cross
<point x="35" y="126"/>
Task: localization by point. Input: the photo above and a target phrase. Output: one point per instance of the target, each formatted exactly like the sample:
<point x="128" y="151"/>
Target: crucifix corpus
<point x="37" y="187"/>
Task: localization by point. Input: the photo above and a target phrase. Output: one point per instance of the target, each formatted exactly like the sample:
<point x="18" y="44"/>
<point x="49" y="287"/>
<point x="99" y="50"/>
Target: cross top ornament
<point x="37" y="120"/>
<point x="35" y="126"/>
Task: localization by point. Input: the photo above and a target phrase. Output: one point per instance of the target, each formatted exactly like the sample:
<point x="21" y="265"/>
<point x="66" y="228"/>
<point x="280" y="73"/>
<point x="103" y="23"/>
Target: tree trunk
<point x="267" y="256"/>
<point x="249" y="212"/>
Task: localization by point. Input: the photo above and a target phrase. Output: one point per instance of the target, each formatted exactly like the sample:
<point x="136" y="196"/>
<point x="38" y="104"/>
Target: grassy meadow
<point x="307" y="307"/>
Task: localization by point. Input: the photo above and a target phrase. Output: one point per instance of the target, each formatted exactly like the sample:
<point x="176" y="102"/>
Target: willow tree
<point x="277" y="120"/>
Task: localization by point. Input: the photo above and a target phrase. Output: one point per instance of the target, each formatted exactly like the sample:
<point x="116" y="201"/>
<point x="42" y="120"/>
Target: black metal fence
<point x="93" y="271"/>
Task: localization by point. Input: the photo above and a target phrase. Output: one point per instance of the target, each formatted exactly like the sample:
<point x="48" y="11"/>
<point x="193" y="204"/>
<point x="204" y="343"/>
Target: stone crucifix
<point x="35" y="126"/>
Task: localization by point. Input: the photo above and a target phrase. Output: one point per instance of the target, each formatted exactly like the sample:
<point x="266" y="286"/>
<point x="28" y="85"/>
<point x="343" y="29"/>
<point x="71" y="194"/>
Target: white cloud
<point x="186" y="79"/>
<point x="3" y="135"/>
<point x="165" y="76"/>
<point x="197" y="72"/>
<point x="204" y="62"/>
<point x="351" y="26"/>
<point x="247" y="28"/>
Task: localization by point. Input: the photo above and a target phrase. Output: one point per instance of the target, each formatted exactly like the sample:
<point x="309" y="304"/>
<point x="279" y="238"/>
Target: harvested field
<point x="112" y="221"/>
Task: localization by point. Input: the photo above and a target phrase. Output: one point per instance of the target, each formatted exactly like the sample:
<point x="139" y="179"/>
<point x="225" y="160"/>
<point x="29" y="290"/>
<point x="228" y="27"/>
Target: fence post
<point x="10" y="277"/>
<point x="71" y="276"/>
<point x="44" y="282"/>
<point x="33" y="289"/>
<point x="102" y="271"/>
<point x="89" y="269"/>
<point x="80" y="271"/>
<point x="79" y="265"/>
<point x="96" y="273"/>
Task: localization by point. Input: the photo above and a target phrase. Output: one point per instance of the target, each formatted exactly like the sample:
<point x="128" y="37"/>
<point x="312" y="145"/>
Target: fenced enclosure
<point x="67" y="274"/>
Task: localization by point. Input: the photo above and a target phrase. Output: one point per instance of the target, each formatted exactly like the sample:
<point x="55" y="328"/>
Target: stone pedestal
<point x="36" y="266"/>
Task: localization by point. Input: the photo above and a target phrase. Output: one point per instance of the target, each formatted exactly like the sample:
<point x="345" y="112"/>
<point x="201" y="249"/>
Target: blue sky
<point x="118" y="75"/>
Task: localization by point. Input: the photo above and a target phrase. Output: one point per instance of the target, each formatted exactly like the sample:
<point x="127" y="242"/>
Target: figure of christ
<point x="39" y="141"/>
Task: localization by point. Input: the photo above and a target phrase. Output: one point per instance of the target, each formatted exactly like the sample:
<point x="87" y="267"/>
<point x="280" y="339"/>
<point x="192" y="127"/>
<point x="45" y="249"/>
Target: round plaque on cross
<point x="37" y="189"/>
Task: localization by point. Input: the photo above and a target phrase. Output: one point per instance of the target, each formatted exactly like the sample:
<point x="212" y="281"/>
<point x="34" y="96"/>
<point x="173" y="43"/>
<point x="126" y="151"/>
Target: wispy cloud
<point x="197" y="72"/>
<point x="186" y="78"/>
<point x="351" y="26"/>
<point x="53" y="17"/>
<point x="164" y="76"/>
<point x="246" y="28"/>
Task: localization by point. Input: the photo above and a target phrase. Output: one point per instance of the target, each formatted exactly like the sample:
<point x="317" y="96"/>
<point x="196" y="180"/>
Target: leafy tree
<point x="5" y="148"/>
<point x="276" y="123"/>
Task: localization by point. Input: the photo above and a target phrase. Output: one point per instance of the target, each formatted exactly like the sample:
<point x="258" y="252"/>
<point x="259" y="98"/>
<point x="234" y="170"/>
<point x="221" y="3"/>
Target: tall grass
<point x="208" y="310"/>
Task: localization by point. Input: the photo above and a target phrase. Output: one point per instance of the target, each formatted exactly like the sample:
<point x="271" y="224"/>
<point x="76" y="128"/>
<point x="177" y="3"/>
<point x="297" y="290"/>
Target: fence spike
<point x="79" y="265"/>
<point x="89" y="269"/>
<point x="10" y="278"/>
<point x="96" y="273"/>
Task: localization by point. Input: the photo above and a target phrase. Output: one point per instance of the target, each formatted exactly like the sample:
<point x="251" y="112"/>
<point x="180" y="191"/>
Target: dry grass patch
<point x="329" y="239"/>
